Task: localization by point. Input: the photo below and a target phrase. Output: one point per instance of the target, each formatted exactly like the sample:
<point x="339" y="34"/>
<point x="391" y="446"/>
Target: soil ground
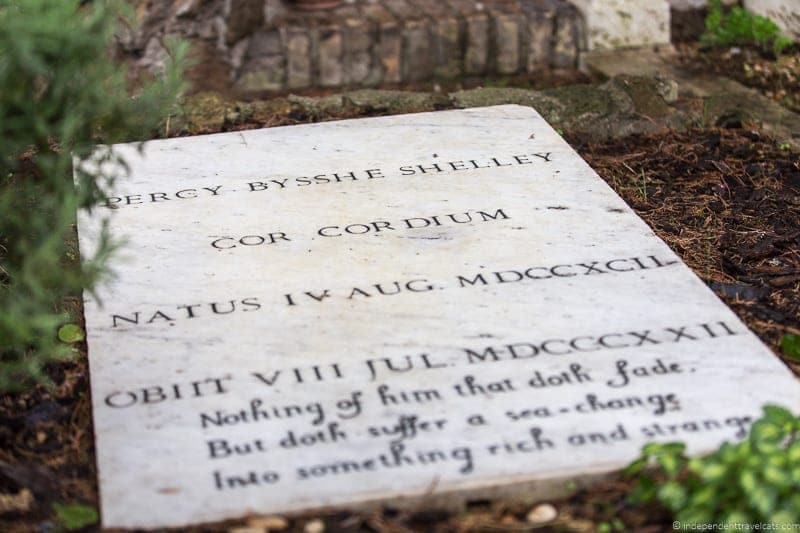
<point x="776" y="77"/>
<point x="727" y="201"/>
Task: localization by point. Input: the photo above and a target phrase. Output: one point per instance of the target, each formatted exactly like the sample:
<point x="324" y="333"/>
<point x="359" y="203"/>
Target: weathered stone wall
<point x="261" y="45"/>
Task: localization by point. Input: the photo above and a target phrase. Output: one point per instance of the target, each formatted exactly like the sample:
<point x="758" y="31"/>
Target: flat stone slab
<point x="414" y="309"/>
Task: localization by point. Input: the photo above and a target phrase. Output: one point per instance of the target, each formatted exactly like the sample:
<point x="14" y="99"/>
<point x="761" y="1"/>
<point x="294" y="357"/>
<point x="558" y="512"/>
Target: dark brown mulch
<point x="727" y="201"/>
<point x="687" y="25"/>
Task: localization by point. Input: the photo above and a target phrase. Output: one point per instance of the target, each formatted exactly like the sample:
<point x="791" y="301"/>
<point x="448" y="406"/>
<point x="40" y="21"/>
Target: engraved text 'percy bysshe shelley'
<point x="279" y="184"/>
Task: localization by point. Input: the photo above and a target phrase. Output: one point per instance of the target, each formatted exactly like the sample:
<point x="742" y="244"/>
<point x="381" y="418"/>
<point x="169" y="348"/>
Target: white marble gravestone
<point x="424" y="307"/>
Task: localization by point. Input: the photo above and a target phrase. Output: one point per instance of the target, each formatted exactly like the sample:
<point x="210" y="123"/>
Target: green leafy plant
<point x="739" y="26"/>
<point x="790" y="344"/>
<point x="75" y="515"/>
<point x="609" y="527"/>
<point x="70" y="333"/>
<point x="753" y="481"/>
<point x="60" y="94"/>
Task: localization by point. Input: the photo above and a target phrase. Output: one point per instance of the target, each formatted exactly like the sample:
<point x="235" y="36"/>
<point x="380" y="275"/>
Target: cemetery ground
<point x="721" y="193"/>
<point x="776" y="77"/>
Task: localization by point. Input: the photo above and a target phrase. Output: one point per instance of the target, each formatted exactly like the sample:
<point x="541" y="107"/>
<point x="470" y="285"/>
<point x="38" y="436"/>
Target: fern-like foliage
<point x="60" y="94"/>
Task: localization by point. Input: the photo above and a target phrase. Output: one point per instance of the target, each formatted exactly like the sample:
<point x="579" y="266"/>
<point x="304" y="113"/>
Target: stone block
<point x="274" y="11"/>
<point x="390" y="51"/>
<point x="330" y="53"/>
<point x="264" y="43"/>
<point x="625" y="23"/>
<point x="417" y="58"/>
<point x="357" y="53"/>
<point x="388" y="46"/>
<point x="297" y="43"/>
<point x="242" y="18"/>
<point x="540" y="42"/>
<point x="263" y="64"/>
<point x="467" y="7"/>
<point x="402" y="9"/>
<point x="446" y="47"/>
<point x="507" y="42"/>
<point x="540" y="16"/>
<point x="263" y="74"/>
<point x="445" y="37"/>
<point x="567" y="38"/>
<point x="476" y="58"/>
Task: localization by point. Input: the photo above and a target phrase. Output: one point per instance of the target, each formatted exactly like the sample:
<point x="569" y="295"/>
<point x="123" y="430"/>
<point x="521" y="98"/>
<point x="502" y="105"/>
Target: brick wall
<point x="258" y="45"/>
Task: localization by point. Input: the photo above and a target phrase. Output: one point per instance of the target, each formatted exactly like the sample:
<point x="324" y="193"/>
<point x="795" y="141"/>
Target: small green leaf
<point x="766" y="435"/>
<point x="735" y="519"/>
<point x="744" y="449"/>
<point x="672" y="495"/>
<point x="793" y="453"/>
<point x="785" y="517"/>
<point x="748" y="481"/>
<point x="75" y="515"/>
<point x="652" y="448"/>
<point x="790" y="344"/>
<point x="793" y="502"/>
<point x="70" y="333"/>
<point x="776" y="459"/>
<point x="671" y="464"/>
<point x="778" y="415"/>
<point x="712" y="472"/>
<point x="763" y="499"/>
<point x="777" y="476"/>
<point x="675" y="448"/>
<point x="694" y="516"/>
<point x="635" y="467"/>
<point x="644" y="492"/>
<point x="781" y="43"/>
<point x="703" y="496"/>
